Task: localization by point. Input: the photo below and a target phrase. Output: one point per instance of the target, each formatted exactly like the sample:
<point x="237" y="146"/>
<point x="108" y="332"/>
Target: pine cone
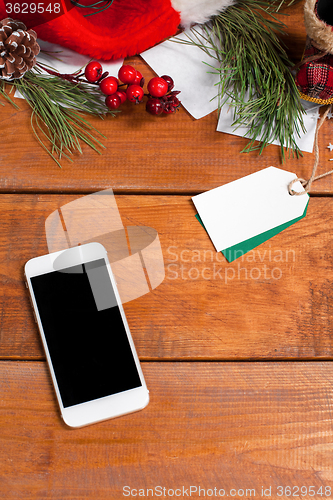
<point x="18" y="49"/>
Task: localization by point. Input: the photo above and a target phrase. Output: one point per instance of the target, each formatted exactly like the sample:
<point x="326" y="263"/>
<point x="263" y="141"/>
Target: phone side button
<point x="35" y="316"/>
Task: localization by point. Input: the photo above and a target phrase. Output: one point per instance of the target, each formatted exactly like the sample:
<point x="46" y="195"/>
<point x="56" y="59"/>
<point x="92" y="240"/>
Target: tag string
<point x="307" y="184"/>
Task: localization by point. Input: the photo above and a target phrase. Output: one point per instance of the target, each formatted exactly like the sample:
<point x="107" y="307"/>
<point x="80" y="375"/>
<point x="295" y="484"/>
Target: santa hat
<point x="125" y="28"/>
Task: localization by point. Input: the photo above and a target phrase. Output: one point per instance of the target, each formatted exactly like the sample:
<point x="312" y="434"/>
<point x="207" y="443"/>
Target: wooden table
<point x="239" y="369"/>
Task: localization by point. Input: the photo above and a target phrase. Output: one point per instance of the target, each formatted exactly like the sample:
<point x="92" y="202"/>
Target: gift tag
<point x="244" y="213"/>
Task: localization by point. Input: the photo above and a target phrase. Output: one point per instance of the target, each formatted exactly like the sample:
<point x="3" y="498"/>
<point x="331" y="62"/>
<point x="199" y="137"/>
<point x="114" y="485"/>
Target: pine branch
<point x="58" y="114"/>
<point x="254" y="72"/>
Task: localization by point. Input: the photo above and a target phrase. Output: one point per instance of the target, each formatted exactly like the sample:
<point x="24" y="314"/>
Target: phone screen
<point x="85" y="333"/>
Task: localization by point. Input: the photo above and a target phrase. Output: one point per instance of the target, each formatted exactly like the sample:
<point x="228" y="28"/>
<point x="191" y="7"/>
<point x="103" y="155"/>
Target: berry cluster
<point x="161" y="97"/>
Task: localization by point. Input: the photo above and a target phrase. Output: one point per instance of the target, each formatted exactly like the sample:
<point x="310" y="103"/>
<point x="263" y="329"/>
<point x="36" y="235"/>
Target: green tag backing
<point x="236" y="251"/>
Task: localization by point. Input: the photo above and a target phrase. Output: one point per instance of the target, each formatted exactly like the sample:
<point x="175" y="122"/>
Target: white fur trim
<point x="199" y="11"/>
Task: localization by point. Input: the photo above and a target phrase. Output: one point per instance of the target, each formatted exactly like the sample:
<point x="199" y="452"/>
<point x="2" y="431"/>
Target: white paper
<point x="304" y="142"/>
<point x="249" y="206"/>
<point x="185" y="65"/>
<point x="67" y="61"/>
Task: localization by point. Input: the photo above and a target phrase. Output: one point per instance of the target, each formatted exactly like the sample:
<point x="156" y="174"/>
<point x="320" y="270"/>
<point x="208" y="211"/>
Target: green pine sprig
<point x="59" y="109"/>
<point x="4" y="94"/>
<point x="254" y="72"/>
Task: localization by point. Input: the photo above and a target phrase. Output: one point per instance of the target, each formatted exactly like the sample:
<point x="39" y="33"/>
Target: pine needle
<point x="5" y="95"/>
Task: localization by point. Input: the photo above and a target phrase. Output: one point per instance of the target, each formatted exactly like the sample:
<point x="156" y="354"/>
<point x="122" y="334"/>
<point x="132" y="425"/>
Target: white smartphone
<point x="91" y="355"/>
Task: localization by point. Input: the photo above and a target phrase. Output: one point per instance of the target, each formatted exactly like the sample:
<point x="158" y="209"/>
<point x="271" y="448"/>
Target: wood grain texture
<point x="273" y="303"/>
<point x="239" y="426"/>
<point x="149" y="154"/>
<point x="232" y="426"/>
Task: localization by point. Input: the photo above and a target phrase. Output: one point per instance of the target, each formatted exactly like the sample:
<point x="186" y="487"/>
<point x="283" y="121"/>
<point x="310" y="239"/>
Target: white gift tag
<point x="250" y="206"/>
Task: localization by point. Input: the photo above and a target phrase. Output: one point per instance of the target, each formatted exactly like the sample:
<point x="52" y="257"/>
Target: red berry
<point x="139" y="80"/>
<point x="154" y="106"/>
<point x="169" y="81"/>
<point x="127" y="74"/>
<point x="109" y="85"/>
<point x="93" y="71"/>
<point x="171" y="105"/>
<point x="122" y="95"/>
<point x="135" y="93"/>
<point x="113" y="101"/>
<point x="157" y="87"/>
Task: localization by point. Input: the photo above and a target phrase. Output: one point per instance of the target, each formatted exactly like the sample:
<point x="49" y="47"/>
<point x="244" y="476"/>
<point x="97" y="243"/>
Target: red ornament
<point x="157" y="87"/>
<point x="93" y="71"/>
<point x="109" y="85"/>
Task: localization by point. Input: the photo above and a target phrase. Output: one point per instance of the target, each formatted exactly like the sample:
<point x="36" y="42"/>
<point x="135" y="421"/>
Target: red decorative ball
<point x="93" y="71"/>
<point x="135" y="93"/>
<point x="109" y="85"/>
<point x="127" y="74"/>
<point x="157" y="87"/>
<point x="154" y="106"/>
<point x="113" y="101"/>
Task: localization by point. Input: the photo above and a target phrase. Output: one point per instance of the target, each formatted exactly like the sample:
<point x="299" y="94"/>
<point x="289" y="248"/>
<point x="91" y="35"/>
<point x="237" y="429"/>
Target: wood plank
<point x="273" y="303"/>
<point x="231" y="426"/>
<point x="149" y="154"/>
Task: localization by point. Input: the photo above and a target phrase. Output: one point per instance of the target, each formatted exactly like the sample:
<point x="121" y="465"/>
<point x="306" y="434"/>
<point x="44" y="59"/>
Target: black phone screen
<point x="85" y="334"/>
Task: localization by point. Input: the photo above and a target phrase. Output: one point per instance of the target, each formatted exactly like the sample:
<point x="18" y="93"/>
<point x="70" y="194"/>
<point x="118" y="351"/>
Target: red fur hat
<point x="125" y="28"/>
